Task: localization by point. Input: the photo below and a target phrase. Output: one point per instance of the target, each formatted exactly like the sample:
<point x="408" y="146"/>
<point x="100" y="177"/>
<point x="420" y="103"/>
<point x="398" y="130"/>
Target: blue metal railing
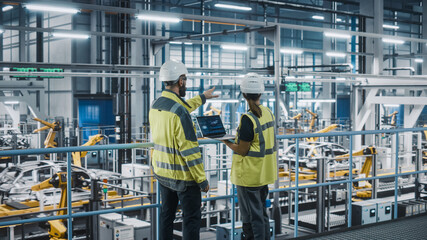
<point x="349" y="181"/>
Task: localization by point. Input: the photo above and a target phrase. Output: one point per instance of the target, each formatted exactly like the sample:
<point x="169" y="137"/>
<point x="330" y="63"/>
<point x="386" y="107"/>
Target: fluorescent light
<point x="188" y="43"/>
<point x="337" y="35"/>
<point x="223" y="101"/>
<point x="317" y="17"/>
<point x="340" y="79"/>
<point x="234" y="47"/>
<point x="390" y="26"/>
<point x="235" y="7"/>
<point x="175" y="42"/>
<point x="335" y="54"/>
<point x="290" y="77"/>
<point x="395" y="41"/>
<point x="11" y="102"/>
<point x="70" y="35"/>
<point x="291" y="51"/>
<point x="339" y="20"/>
<point x="159" y="18"/>
<point x="7" y="8"/>
<point x="308" y="77"/>
<point x="419" y="60"/>
<point x="315" y="100"/>
<point x="49" y="8"/>
<point x="391" y="105"/>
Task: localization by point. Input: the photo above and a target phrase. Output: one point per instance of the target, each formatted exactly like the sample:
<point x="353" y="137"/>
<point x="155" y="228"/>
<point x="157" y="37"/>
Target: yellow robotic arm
<point x="59" y="180"/>
<point x="210" y="112"/>
<point x="313" y="118"/>
<point x="297" y="117"/>
<point x="57" y="227"/>
<point x="325" y="130"/>
<point x="366" y="168"/>
<point x="393" y="119"/>
<point x="53" y="128"/>
<point x="78" y="155"/>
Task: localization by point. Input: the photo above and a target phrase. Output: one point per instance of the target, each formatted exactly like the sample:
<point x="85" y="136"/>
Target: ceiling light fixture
<point x="70" y="35"/>
<point x="390" y="26"/>
<point x="291" y="51"/>
<point x="7" y="8"/>
<point x="419" y="60"/>
<point x="339" y="20"/>
<point x="337" y="35"/>
<point x="155" y="18"/>
<point x="395" y="41"/>
<point x="48" y="8"/>
<point x="234" y="47"/>
<point x="235" y="7"/>
<point x="318" y="17"/>
<point x="335" y="54"/>
<point x="391" y="105"/>
<point x="11" y="102"/>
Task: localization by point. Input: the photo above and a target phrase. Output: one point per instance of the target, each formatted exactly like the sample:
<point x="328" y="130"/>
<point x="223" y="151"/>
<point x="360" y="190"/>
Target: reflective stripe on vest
<point x="260" y="130"/>
<point x="167" y="104"/>
<point x="169" y="150"/>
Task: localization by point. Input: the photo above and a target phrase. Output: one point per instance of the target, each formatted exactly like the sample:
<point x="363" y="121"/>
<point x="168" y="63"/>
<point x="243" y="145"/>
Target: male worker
<point x="176" y="160"/>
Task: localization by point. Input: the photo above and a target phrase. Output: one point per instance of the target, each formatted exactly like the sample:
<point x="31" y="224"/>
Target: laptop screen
<point x="211" y="125"/>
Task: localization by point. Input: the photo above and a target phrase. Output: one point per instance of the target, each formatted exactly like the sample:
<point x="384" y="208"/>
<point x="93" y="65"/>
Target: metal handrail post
<point x="233" y="209"/>
<point x="297" y="189"/>
<point x="350" y="184"/>
<point x="69" y="206"/>
<point x="158" y="210"/>
<point x="396" y="178"/>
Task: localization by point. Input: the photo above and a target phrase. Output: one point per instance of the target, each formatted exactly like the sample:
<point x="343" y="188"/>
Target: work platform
<point x="403" y="228"/>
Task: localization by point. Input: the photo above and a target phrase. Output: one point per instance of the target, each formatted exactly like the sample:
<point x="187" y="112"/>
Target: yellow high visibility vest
<point x="176" y="159"/>
<point x="259" y="166"/>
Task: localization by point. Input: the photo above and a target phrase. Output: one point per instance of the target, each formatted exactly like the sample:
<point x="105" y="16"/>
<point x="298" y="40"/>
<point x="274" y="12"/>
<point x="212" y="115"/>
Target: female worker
<point x="254" y="160"/>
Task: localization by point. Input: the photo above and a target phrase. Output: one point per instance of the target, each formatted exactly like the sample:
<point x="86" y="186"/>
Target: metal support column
<point x="374" y="174"/>
<point x="22" y="42"/>
<point x="94" y="205"/>
<point x="276" y="213"/>
<point x="320" y="204"/>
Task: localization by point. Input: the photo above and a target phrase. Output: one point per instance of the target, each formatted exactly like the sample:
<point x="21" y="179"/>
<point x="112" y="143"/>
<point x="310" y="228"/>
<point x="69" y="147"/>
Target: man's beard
<point x="182" y="91"/>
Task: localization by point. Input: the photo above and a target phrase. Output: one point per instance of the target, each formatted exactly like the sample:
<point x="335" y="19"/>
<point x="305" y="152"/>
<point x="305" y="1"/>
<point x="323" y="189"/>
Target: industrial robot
<point x="313" y="119"/>
<point x="78" y="155"/>
<point x="369" y="152"/>
<point x="58" y="229"/>
<point x="212" y="111"/>
<point x="53" y="127"/>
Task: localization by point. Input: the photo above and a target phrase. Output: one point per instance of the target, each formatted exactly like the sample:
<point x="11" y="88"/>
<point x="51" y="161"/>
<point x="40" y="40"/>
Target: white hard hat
<point x="171" y="70"/>
<point x="252" y="83"/>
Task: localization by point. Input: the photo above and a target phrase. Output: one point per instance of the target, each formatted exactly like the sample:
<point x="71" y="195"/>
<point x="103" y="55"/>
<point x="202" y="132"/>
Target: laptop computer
<point x="212" y="127"/>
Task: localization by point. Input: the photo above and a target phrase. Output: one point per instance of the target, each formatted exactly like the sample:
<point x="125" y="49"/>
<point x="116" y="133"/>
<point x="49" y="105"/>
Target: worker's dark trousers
<point x="254" y="213"/>
<point x="190" y="201"/>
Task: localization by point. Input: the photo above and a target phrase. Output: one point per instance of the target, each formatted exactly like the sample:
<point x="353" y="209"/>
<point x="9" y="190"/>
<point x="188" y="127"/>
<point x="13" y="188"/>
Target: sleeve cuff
<point x="203" y="184"/>
<point x="203" y="97"/>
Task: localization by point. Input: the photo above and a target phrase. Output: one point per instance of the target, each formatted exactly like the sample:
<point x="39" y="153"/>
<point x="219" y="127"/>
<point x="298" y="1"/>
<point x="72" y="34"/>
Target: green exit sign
<point x="291" y="87"/>
<point x="30" y="69"/>
<point x="304" y="87"/>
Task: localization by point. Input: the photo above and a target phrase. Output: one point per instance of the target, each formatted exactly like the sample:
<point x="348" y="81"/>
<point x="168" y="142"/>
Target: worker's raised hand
<point x="209" y="93"/>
